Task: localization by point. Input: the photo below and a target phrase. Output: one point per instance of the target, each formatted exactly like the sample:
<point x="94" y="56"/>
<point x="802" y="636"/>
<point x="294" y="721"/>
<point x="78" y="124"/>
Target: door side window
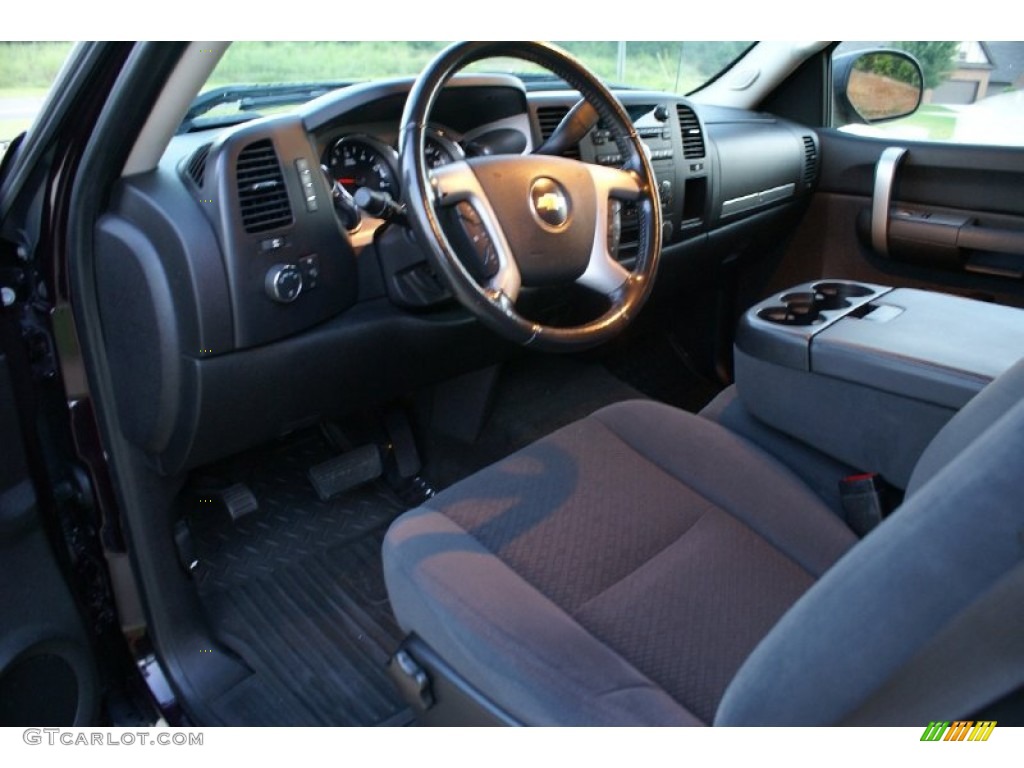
<point x="27" y="70"/>
<point x="973" y="92"/>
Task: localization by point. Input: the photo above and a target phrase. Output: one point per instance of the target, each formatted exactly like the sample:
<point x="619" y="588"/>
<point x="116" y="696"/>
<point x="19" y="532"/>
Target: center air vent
<point x="689" y="126"/>
<point x="262" y="196"/>
<point x="196" y="166"/>
<point x="810" y="162"/>
<point x="549" y="118"/>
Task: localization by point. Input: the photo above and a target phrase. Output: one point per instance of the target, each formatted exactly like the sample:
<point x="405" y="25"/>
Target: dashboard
<point x="367" y="156"/>
<point x="241" y="301"/>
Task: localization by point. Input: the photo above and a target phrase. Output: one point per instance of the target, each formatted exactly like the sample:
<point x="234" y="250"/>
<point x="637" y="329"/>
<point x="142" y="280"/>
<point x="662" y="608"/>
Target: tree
<point x="936" y="57"/>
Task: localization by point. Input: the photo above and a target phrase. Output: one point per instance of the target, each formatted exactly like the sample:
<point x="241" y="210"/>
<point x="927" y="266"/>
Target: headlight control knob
<point x="284" y="283"/>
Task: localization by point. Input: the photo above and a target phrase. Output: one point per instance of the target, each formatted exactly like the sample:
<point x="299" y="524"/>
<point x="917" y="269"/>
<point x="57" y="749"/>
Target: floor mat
<point x="318" y="634"/>
<point x="535" y="396"/>
<point x="296" y="590"/>
<point x="291" y="523"/>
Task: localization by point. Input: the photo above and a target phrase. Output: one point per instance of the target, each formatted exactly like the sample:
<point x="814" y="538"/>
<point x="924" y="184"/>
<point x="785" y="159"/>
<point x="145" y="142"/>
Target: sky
<point x="420" y="19"/>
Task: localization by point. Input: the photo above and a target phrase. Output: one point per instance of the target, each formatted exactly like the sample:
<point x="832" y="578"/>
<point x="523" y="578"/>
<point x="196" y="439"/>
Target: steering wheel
<point x="530" y="220"/>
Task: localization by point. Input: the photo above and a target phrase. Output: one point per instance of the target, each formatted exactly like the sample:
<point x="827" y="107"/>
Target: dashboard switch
<point x="273" y="243"/>
<point x="310" y="267"/>
<point x="284" y="283"/>
<point x="665" y="192"/>
<point x="306" y="179"/>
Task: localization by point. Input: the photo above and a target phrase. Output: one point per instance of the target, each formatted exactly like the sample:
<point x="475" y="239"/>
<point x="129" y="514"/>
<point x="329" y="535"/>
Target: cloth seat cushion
<point x="618" y="571"/>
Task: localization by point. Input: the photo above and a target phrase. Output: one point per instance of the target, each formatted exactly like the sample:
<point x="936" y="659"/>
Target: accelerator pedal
<point x="345" y="472"/>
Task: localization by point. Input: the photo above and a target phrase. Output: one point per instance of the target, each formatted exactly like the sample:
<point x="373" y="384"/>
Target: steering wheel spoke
<point x="603" y="273"/>
<point x="456" y="185"/>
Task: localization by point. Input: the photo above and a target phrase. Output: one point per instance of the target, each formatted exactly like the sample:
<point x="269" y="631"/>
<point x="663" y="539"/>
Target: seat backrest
<point x="967" y="425"/>
<point x="949" y="553"/>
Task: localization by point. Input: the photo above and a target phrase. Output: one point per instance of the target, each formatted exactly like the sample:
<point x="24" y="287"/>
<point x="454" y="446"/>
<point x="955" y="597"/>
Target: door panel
<point x="47" y="675"/>
<point x="980" y="188"/>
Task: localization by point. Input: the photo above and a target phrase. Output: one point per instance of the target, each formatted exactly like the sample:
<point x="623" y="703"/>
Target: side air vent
<point x="810" y="162"/>
<point x="549" y="118"/>
<point x="196" y="166"/>
<point x="689" y="126"/>
<point x="262" y="196"/>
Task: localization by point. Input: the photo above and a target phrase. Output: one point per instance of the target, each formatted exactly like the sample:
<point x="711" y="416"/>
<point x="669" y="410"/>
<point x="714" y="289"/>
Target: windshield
<point x="28" y="69"/>
<point x="679" y="67"/>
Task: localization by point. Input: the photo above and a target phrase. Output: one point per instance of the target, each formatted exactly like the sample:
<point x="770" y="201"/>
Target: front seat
<point x="645" y="566"/>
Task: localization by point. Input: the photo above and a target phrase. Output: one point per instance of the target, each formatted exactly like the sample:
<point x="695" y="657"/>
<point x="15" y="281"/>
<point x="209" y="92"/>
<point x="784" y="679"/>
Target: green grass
<point x="939" y="122"/>
<point x="26" y="71"/>
<point x="31" y="65"/>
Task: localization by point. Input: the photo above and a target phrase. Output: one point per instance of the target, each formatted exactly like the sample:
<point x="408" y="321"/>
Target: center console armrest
<point x="866" y="373"/>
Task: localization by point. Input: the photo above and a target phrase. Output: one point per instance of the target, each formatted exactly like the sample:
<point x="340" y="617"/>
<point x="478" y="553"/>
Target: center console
<point x="867" y="373"/>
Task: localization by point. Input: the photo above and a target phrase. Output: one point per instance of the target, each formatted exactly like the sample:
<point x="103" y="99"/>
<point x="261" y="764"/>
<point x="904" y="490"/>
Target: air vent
<point x="810" y="162"/>
<point x="262" y="196"/>
<point x="693" y="139"/>
<point x="196" y="167"/>
<point x="549" y="118"/>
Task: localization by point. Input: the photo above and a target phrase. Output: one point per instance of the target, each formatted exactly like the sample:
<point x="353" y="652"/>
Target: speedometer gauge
<point x="440" y="150"/>
<point x="361" y="161"/>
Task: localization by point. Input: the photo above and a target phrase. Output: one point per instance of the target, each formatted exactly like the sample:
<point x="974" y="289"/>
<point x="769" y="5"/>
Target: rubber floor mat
<point x="317" y="633"/>
<point x="291" y="523"/>
<point x="296" y="590"/>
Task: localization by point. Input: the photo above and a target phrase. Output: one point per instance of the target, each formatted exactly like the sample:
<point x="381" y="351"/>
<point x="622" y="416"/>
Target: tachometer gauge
<point x="439" y="149"/>
<point x="362" y="161"/>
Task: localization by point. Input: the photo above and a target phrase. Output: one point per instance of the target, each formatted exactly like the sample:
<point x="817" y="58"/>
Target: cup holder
<point x="805" y="307"/>
<point x="809" y="306"/>
<point x="800" y="308"/>
<point x="835" y="295"/>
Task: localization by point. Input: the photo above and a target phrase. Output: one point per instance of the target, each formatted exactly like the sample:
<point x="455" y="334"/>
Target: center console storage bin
<point x="866" y="373"/>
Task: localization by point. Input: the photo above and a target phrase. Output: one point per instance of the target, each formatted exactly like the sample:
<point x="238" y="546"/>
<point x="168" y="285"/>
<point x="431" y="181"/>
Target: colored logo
<point x="961" y="730"/>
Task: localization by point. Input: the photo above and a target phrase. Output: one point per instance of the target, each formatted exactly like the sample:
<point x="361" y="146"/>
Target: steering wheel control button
<point x="549" y="203"/>
<point x="284" y="283"/>
<point x="486" y="257"/>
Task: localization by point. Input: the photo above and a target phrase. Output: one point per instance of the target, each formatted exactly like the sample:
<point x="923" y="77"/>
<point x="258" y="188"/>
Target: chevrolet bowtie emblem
<point x="550" y="203"/>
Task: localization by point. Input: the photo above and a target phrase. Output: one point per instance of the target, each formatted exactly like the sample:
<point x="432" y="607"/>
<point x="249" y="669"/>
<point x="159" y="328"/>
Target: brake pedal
<point x="342" y="473"/>
<point x="236" y="499"/>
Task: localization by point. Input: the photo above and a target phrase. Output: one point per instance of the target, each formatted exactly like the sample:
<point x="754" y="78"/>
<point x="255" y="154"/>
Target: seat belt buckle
<point x="863" y="499"/>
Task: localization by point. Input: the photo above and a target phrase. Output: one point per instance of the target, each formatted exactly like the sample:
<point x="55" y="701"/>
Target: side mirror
<point x="874" y="86"/>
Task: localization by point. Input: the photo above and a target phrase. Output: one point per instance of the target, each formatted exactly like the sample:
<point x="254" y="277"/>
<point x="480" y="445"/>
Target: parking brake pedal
<point x="342" y="473"/>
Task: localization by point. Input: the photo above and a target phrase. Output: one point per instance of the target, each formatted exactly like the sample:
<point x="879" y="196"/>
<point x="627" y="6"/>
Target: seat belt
<point x="867" y="499"/>
<point x="975" y="660"/>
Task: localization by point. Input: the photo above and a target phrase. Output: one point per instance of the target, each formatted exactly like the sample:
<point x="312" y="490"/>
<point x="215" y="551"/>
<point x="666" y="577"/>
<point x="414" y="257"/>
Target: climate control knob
<point x="284" y="283"/>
